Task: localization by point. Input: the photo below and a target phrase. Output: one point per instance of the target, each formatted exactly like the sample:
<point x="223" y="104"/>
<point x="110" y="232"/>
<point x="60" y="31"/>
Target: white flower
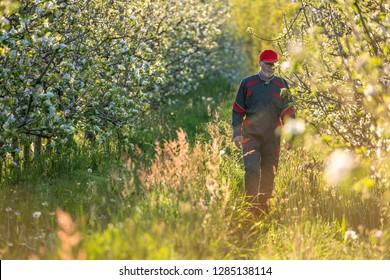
<point x="4" y="20"/>
<point x="340" y="164"/>
<point x="24" y="42"/>
<point x="66" y="76"/>
<point x="50" y="94"/>
<point x="249" y="29"/>
<point x="50" y="6"/>
<point x="221" y="152"/>
<point x="40" y="11"/>
<point x="294" y="127"/>
<point x="286" y="65"/>
<point x="350" y="234"/>
<point x="89" y="170"/>
<point x="378" y="234"/>
<point x="36" y="215"/>
<point x="369" y="91"/>
<point x="11" y="119"/>
<point x="51" y="110"/>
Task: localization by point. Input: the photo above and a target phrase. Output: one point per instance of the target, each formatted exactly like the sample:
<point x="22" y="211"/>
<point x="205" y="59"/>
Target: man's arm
<point x="288" y="109"/>
<point x="238" y="114"/>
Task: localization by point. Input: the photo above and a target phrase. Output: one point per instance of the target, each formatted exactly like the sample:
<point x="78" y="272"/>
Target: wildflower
<point x="369" y="91"/>
<point x="294" y="127"/>
<point x="221" y="152"/>
<point x="350" y="235"/>
<point x="286" y="65"/>
<point x="378" y="234"/>
<point x="89" y="170"/>
<point x="8" y="209"/>
<point x="249" y="29"/>
<point x="340" y="164"/>
<point x="36" y="215"/>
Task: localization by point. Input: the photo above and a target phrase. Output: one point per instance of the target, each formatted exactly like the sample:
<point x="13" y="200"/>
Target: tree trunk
<point x="26" y="154"/>
<point x="1" y="170"/>
<point x="48" y="148"/>
<point x="37" y="147"/>
<point x="15" y="155"/>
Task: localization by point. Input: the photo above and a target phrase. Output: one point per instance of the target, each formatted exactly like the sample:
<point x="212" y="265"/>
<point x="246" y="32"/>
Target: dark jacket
<point x="260" y="106"/>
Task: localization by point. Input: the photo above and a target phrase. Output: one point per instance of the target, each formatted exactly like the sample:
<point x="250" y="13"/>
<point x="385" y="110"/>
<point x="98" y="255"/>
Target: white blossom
<point x="350" y="235"/>
<point x="339" y="166"/>
<point x="295" y="127"/>
<point x="36" y="215"/>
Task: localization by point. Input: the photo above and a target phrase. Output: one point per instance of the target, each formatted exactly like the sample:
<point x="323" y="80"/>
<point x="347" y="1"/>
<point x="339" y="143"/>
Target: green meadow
<point x="115" y="130"/>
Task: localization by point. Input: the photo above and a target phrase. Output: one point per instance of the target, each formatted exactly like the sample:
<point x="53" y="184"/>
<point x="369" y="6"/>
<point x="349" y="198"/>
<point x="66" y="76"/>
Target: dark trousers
<point x="261" y="155"/>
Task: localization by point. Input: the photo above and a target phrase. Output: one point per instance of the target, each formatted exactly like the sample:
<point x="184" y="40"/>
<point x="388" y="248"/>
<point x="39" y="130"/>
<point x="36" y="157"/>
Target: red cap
<point x="268" y="56"/>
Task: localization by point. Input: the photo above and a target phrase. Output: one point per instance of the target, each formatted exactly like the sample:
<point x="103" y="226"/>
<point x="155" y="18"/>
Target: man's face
<point x="267" y="69"/>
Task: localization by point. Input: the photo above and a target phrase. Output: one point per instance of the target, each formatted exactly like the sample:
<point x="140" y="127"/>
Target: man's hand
<point x="238" y="141"/>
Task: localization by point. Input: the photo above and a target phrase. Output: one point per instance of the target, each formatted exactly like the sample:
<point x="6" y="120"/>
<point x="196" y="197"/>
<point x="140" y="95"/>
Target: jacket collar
<point x="261" y="78"/>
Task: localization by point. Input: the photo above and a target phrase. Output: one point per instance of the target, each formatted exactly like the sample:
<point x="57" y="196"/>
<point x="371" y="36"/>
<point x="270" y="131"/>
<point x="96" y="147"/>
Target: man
<point x="261" y="106"/>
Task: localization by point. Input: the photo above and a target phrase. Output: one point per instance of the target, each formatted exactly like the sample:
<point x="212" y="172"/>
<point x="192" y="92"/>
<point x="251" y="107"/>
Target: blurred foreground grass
<point x="178" y="194"/>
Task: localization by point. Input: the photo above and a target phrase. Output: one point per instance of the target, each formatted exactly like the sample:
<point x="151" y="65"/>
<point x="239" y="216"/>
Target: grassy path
<point x="183" y="199"/>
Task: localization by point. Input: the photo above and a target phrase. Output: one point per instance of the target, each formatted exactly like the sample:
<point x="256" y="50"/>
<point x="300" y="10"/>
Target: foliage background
<point x="115" y="135"/>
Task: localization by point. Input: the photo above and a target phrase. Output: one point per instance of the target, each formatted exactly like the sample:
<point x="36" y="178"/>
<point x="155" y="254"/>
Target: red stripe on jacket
<point x="288" y="111"/>
<point x="238" y="109"/>
<point x="251" y="83"/>
<point x="278" y="84"/>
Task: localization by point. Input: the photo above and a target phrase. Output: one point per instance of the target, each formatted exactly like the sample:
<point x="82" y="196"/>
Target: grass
<point x="181" y="197"/>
